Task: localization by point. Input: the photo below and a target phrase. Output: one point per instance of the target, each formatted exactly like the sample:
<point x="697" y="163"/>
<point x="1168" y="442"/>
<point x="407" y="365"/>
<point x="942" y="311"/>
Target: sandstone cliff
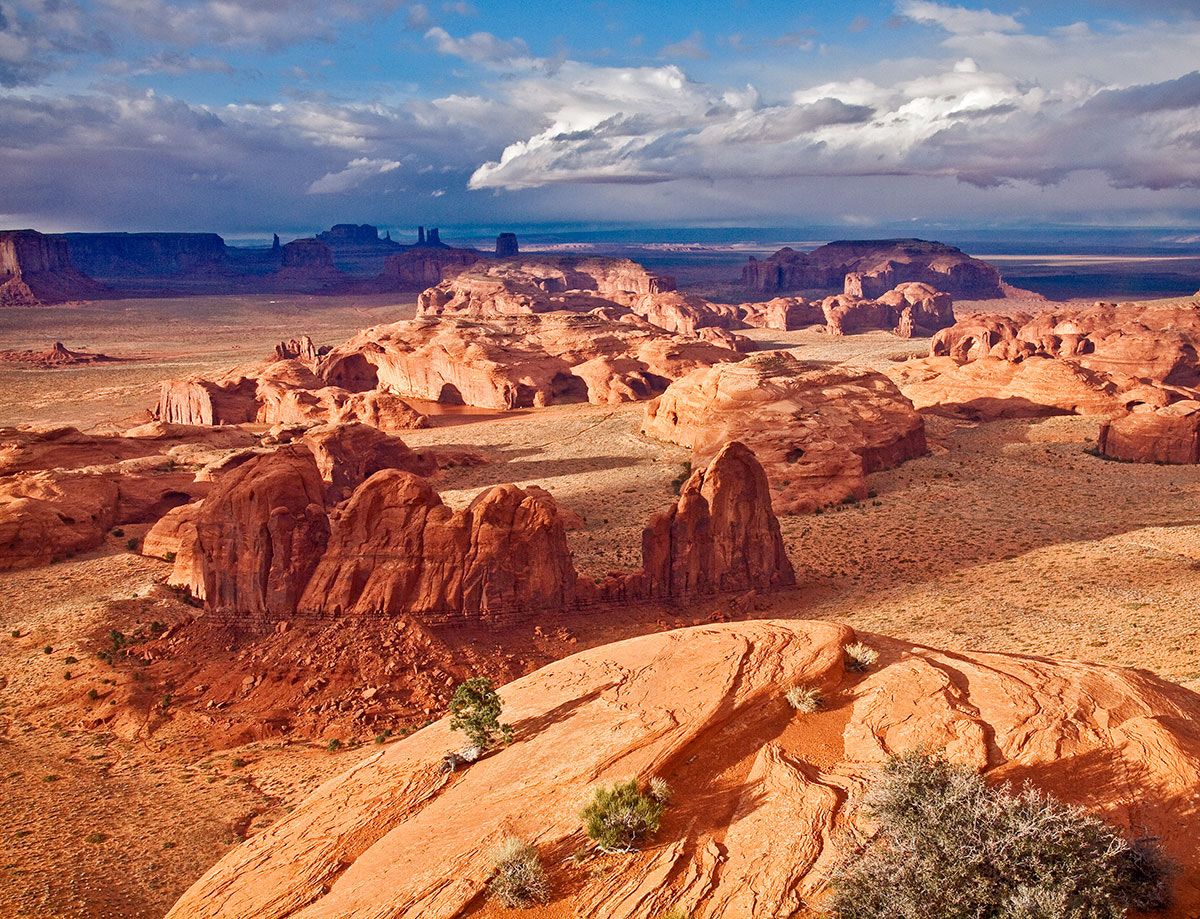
<point x="36" y="269"/>
<point x="391" y="837"/>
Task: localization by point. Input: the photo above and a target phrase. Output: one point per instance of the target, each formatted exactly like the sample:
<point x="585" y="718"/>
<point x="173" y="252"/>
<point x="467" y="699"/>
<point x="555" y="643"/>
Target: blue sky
<point x="244" y="117"/>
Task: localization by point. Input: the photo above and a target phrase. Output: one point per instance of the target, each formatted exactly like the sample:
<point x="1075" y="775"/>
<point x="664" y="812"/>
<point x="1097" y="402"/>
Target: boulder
<point x="817" y="431"/>
<point x="396" y="548"/>
<point x="762" y="794"/>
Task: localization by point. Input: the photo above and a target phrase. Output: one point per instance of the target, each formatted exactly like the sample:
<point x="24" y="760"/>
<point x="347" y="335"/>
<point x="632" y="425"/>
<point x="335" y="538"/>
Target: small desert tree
<point x="475" y="710"/>
<point x="518" y="878"/>
<point x="948" y="846"/>
<point x="617" y="817"/>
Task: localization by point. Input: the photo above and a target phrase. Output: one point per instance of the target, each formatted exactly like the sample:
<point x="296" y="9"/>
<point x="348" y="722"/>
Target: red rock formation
<point x="818" y="432"/>
<point x="36" y="269"/>
<point x="46" y="515"/>
<point x="420" y="267"/>
<point x="58" y="355"/>
<point x="196" y="401"/>
<point x="300" y="349"/>
<point x="396" y="548"/>
<point x="909" y="310"/>
<point x="349" y="454"/>
<point x="506" y="245"/>
<point x="308" y="259"/>
<point x="391" y="837"/>
<point x="721" y="534"/>
<point x="1104" y="359"/>
<point x="518" y="362"/>
<point x="869" y="268"/>
<point x="783" y="313"/>
<point x="1167" y="435"/>
<point x="255" y="540"/>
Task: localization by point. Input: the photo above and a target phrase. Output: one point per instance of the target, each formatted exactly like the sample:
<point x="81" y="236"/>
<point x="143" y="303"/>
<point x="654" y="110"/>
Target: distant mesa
<point x="309" y="259"/>
<point x="506" y="245"/>
<point x="352" y="234"/>
<point x="870" y="268"/>
<point x="37" y="269"/>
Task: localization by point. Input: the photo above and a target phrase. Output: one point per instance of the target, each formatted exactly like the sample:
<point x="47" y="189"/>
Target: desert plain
<point x="1009" y="536"/>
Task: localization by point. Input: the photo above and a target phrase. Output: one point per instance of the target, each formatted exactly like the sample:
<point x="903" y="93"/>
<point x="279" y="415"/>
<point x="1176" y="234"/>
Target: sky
<point x="249" y="116"/>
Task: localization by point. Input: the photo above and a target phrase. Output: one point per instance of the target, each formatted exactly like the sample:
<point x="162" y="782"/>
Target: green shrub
<point x="475" y="710"/>
<point x="859" y="656"/>
<point x="334" y="745"/>
<point x="617" y="817"/>
<point x="518" y="879"/>
<point x="93" y="695"/>
<point x="948" y="846"/>
<point x="805" y="699"/>
<point x="131" y="544"/>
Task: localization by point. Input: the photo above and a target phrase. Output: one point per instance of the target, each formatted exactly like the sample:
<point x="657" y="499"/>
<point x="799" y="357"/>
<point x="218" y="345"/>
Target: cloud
<point x="417" y="17"/>
<point x="479" y="47"/>
<point x="357" y="172"/>
<point x="957" y="19"/>
<point x="691" y="47"/>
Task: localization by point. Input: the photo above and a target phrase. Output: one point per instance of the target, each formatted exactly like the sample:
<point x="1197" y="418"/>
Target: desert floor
<point x="1008" y="536"/>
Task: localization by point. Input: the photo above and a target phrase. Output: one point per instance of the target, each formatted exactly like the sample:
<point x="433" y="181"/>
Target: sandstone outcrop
<point x="518" y="362"/>
<point x="57" y="355"/>
<point x="818" y="432"/>
<point x="300" y="530"/>
<point x="253" y="543"/>
<point x="1104" y="360"/>
<point x="37" y="269"/>
<point x="506" y="245"/>
<point x="721" y="534"/>
<point x="396" y="548"/>
<point x="870" y="268"/>
<point x="909" y="310"/>
<point x="44" y="516"/>
<point x="391" y="837"/>
<point x="421" y="267"/>
<point x="308" y="260"/>
<point x="1167" y="435"/>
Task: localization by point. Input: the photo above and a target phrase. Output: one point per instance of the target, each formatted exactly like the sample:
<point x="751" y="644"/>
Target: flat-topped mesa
<point x="870" y="268"/>
<point x="506" y="245"/>
<point x="36" y="269"/>
<point x="388" y="837"/>
<point x="1100" y="360"/>
<point x="124" y="256"/>
<point x="721" y="535"/>
<point x="308" y="259"/>
<point x="816" y="431"/>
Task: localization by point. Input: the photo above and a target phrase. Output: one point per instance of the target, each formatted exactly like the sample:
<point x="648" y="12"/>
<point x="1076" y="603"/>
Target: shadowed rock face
<point x="870" y="268"/>
<point x="253" y="547"/>
<point x="816" y="431"/>
<point x="391" y="837"/>
<point x="36" y="269"/>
